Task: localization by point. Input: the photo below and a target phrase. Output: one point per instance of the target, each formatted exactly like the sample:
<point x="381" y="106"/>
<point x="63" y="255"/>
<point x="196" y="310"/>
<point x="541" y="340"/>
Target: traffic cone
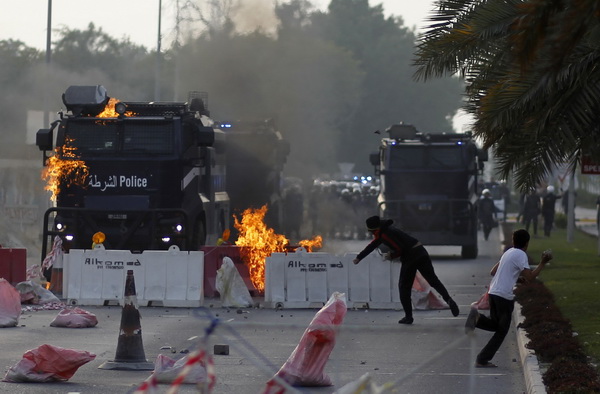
<point x="56" y="277"/>
<point x="130" y="349"/>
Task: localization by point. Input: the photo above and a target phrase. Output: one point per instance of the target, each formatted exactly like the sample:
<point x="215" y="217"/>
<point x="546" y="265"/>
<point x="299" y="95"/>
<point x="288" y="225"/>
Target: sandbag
<point x="47" y="363"/>
<point x="231" y="286"/>
<point x="74" y="318"/>
<point x="10" y="304"/>
<point x="306" y="364"/>
<point x="423" y="297"/>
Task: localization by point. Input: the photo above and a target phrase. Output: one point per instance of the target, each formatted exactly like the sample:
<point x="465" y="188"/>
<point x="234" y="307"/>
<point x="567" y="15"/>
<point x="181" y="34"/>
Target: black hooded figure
<point x="414" y="257"/>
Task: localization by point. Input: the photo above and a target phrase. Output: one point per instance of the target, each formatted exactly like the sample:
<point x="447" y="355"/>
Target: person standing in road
<point x="549" y="209"/>
<point x="414" y="257"/>
<point x="513" y="263"/>
<point x="487" y="212"/>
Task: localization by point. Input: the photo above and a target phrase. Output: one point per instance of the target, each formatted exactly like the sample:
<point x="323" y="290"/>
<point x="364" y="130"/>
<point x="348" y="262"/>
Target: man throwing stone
<point x="414" y="258"/>
<point x="512" y="264"/>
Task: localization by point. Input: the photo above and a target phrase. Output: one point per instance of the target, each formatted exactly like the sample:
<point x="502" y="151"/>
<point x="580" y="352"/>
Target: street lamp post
<point x="48" y="60"/>
<point x="158" y="57"/>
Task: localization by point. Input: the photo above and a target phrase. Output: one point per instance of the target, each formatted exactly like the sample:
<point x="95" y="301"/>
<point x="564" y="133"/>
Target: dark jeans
<point x="499" y="321"/>
<point x="528" y="219"/>
<point x="418" y="261"/>
<point x="548" y="222"/>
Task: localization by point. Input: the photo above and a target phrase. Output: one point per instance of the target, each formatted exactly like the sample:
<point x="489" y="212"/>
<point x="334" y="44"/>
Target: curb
<point x="529" y="361"/>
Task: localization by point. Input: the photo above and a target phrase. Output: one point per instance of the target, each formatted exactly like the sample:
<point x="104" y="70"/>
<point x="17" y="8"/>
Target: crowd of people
<point x="332" y="209"/>
<point x="533" y="207"/>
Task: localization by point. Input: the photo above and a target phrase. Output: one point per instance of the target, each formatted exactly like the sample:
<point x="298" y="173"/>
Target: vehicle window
<point x="87" y="136"/>
<point x="148" y="137"/>
<point x="419" y="157"/>
<point x="130" y="137"/>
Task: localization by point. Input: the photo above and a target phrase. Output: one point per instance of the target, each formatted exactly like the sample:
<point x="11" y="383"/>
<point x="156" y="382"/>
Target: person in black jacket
<point x="414" y="257"/>
<point x="487" y="212"/>
<point x="549" y="209"/>
<point x="532" y="208"/>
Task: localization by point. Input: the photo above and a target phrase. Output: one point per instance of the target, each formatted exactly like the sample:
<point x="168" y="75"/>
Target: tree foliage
<point x="532" y="79"/>
<point x="329" y="79"/>
<point x="383" y="47"/>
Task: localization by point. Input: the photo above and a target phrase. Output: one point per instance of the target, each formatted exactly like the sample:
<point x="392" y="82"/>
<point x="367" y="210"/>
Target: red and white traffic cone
<point x="130" y="349"/>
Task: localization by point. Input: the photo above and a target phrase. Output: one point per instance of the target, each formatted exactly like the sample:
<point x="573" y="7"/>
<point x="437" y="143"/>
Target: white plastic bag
<point x="231" y="286"/>
<point x="10" y="304"/>
<point x="365" y="385"/>
<point x="33" y="291"/>
<point x="167" y="369"/>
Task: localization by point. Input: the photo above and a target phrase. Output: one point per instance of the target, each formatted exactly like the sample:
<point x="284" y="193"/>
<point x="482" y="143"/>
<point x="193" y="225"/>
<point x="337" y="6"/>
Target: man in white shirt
<point x="512" y="264"/>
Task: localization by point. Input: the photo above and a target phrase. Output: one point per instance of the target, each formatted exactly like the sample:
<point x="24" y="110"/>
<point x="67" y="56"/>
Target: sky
<point x="27" y="20"/>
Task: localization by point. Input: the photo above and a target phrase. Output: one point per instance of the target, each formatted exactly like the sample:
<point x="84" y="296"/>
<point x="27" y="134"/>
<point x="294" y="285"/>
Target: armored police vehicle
<point x="154" y="173"/>
<point x="428" y="185"/>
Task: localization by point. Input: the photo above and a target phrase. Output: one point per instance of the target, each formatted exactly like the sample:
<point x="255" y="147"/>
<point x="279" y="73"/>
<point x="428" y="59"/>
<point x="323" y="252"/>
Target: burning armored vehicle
<point x="147" y="174"/>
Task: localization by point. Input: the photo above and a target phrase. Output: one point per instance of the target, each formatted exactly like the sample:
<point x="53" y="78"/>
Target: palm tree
<point x="532" y="77"/>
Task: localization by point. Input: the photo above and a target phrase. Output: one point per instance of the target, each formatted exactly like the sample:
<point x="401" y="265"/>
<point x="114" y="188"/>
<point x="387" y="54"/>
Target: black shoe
<point x="471" y="322"/>
<point x="453" y="307"/>
<point x="485" y="365"/>
<point x="406" y="320"/>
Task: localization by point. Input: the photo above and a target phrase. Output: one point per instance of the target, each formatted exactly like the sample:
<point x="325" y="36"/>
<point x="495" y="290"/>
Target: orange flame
<point x="260" y="241"/>
<point x="310" y="244"/>
<point x="64" y="166"/>
<point x="109" y="110"/>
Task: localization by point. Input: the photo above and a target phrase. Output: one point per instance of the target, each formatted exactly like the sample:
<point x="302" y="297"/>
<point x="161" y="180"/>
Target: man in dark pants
<point x="512" y="264"/>
<point x="548" y="209"/>
<point x="414" y="258"/>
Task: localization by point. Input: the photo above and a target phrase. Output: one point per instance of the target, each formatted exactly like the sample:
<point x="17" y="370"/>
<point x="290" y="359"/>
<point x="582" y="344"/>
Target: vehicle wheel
<point x="469" y="251"/>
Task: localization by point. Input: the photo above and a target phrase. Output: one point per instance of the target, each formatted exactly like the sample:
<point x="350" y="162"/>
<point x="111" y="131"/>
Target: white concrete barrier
<point x="170" y="278"/>
<point x="301" y="280"/>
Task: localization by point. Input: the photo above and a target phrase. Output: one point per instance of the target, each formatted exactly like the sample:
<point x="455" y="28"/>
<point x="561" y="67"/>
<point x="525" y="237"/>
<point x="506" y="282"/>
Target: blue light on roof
<point x="225" y="125"/>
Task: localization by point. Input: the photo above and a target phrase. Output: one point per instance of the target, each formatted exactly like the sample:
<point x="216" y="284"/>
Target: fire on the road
<point x="260" y="241"/>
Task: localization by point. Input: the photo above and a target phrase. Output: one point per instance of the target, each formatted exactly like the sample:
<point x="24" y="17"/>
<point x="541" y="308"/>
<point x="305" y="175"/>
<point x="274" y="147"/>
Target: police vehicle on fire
<point x="155" y="173"/>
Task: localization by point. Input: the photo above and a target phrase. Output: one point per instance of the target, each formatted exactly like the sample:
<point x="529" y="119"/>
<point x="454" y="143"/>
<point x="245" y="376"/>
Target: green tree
<point x="383" y="48"/>
<point x="15" y="57"/>
<point x="125" y="66"/>
<point x="532" y="77"/>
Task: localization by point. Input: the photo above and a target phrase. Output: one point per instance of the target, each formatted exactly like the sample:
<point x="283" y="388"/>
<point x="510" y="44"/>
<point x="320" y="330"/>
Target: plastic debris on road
<point x="74" y="318"/>
<point x="10" y="304"/>
<point x="231" y="286"/>
<point x="306" y="364"/>
<point x="47" y="363"/>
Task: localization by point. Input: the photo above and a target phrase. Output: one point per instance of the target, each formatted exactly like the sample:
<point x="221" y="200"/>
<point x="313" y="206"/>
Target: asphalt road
<point x="431" y="356"/>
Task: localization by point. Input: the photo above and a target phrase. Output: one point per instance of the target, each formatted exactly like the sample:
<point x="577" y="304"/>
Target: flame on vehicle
<point x="64" y="167"/>
<point x="259" y="242"/>
<point x="109" y="110"/>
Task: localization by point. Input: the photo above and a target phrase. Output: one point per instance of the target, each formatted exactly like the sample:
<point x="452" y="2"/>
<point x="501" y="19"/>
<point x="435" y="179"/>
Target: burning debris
<point x="260" y="241"/>
<point x="64" y="167"/>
